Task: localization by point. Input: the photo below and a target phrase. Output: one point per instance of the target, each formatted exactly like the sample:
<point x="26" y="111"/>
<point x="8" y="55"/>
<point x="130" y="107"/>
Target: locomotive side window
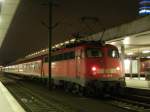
<point x="113" y="53"/>
<point x="63" y="56"/>
<point x="94" y="52"/>
<point x="71" y="55"/>
<point x="56" y="57"/>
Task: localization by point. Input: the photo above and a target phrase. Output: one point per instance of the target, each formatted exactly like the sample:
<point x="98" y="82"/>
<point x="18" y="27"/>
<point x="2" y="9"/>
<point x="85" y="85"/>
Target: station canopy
<point x="24" y="23"/>
<point x="136" y="45"/>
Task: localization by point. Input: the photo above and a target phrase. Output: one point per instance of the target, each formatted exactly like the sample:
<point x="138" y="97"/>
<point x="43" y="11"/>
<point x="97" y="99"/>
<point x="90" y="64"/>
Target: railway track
<point x="134" y="101"/>
<point x="130" y="104"/>
<point x="35" y="103"/>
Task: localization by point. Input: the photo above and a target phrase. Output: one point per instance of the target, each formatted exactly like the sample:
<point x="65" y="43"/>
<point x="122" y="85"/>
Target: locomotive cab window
<point x="113" y="53"/>
<point x="94" y="52"/>
<point x="63" y="56"/>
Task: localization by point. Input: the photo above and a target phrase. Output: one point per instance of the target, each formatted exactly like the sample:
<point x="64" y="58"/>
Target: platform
<point x="7" y="102"/>
<point x="140" y="83"/>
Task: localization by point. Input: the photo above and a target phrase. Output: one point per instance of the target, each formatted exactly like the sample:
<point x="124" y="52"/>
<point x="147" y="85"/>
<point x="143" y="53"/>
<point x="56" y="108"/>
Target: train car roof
<point x="64" y="48"/>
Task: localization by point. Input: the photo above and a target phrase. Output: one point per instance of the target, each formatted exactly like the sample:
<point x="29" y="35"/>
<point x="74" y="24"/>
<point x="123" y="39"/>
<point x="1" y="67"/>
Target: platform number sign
<point x="144" y="7"/>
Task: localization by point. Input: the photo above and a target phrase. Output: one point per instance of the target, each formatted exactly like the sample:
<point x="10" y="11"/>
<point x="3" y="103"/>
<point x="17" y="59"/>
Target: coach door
<point x="79" y="55"/>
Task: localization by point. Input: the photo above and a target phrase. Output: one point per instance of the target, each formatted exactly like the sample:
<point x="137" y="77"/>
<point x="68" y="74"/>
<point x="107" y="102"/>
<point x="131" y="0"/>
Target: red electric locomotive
<point x="91" y="65"/>
<point x="84" y="65"/>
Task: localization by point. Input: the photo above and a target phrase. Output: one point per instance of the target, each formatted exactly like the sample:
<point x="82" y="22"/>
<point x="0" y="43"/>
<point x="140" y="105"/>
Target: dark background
<point x="28" y="31"/>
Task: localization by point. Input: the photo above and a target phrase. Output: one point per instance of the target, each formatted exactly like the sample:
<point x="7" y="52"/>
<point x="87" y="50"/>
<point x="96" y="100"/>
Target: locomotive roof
<point x="79" y="43"/>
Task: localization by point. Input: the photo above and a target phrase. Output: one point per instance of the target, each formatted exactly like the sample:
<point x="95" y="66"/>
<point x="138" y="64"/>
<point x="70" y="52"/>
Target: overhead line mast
<point x="50" y="45"/>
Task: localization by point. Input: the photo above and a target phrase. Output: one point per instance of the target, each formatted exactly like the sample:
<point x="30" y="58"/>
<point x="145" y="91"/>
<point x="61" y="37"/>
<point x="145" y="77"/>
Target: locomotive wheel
<point x="118" y="91"/>
<point x="67" y="86"/>
<point x="121" y="91"/>
<point x="81" y="89"/>
<point x="99" y="92"/>
<point x="88" y="91"/>
<point x="77" y="89"/>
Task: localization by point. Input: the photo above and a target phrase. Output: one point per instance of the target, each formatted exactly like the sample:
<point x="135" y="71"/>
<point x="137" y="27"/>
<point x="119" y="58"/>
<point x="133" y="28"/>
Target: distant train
<point x="86" y="65"/>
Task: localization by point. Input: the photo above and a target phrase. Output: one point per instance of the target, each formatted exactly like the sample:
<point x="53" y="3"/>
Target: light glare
<point x="146" y="51"/>
<point x="130" y="53"/>
<point x="126" y="40"/>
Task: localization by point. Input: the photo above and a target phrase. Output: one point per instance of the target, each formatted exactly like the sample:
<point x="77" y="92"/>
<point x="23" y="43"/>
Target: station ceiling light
<point x="148" y="57"/>
<point x="66" y="42"/>
<point x="113" y="43"/>
<point x="130" y="53"/>
<point x="7" y="11"/>
<point x="126" y="40"/>
<point x="146" y="51"/>
<point x="73" y="40"/>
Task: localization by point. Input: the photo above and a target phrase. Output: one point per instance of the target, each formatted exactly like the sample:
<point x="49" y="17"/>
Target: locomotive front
<point x="103" y="67"/>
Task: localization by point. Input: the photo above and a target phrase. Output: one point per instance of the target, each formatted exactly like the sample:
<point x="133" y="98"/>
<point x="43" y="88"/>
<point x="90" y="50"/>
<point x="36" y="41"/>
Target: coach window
<point x="94" y="52"/>
<point x="52" y="58"/>
<point x="65" y="56"/>
<point x="46" y="59"/>
<point x="113" y="53"/>
<point x="71" y="55"/>
<point x="56" y="57"/>
<point x="59" y="57"/>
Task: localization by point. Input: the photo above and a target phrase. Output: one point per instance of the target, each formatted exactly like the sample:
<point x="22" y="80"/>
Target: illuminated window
<point x="127" y="65"/>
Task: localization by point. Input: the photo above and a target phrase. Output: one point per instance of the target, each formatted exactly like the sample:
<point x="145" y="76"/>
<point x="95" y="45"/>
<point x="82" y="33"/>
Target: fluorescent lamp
<point x="72" y="40"/>
<point x="146" y="51"/>
<point x="130" y="53"/>
<point x="148" y="57"/>
<point x="126" y="40"/>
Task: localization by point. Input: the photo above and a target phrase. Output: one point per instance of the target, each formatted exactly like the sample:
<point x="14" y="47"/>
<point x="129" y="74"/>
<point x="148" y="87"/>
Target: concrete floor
<point x="140" y="83"/>
<point x="7" y="102"/>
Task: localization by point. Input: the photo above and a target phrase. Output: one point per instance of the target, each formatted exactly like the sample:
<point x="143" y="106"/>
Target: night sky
<point x="27" y="32"/>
